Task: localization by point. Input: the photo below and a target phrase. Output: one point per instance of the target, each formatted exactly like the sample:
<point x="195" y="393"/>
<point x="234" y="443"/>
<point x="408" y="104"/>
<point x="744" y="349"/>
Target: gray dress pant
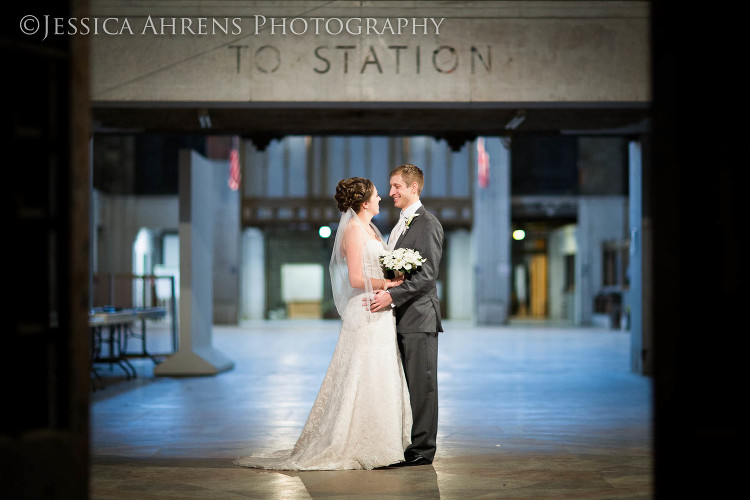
<point x="419" y="357"/>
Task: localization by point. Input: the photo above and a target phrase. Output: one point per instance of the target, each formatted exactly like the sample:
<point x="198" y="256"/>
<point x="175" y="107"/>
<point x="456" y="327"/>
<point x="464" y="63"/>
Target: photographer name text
<point x="47" y="26"/>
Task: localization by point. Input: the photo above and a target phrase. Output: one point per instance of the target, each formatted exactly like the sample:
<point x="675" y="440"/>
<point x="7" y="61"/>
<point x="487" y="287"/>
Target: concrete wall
<point x="171" y="51"/>
<point x="600" y="218"/>
<point x="118" y="218"/>
<point x="602" y="165"/>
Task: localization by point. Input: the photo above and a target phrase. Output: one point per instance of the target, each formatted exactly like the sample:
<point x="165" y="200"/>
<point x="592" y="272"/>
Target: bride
<point x="361" y="418"/>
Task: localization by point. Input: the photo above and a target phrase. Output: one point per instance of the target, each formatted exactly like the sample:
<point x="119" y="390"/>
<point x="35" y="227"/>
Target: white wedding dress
<point x="361" y="418"/>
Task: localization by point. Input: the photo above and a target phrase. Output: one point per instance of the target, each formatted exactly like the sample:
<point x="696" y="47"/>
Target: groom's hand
<point x="381" y="300"/>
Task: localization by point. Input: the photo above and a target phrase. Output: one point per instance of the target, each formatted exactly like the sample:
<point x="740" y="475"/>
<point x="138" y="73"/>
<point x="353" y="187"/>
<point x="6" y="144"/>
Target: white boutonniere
<point x="410" y="220"/>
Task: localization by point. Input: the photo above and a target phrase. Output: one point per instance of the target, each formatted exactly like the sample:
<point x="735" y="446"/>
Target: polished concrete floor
<point x="526" y="411"/>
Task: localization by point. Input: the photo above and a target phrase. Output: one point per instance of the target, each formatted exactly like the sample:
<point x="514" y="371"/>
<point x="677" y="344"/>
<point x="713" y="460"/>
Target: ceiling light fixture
<point x="204" y="119"/>
<point x="517" y="120"/>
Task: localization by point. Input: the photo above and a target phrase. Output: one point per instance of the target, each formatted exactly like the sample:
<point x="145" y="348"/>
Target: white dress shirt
<point x="401" y="224"/>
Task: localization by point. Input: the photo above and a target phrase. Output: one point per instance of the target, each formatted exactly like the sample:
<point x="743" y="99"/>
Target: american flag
<point x="483" y="164"/>
<point x="234" y="165"/>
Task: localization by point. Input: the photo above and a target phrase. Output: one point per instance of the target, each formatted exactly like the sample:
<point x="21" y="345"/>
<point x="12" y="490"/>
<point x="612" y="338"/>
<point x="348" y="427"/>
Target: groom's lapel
<point x="419" y="211"/>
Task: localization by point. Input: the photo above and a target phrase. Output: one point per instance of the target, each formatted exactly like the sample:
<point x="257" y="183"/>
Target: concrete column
<point x="196" y="355"/>
<point x="634" y="296"/>
<point x="253" y="275"/>
<point x="226" y="277"/>
<point x="562" y="243"/>
<point x="491" y="236"/>
<point x="121" y="231"/>
<point x="600" y="219"/>
<point x="460" y="289"/>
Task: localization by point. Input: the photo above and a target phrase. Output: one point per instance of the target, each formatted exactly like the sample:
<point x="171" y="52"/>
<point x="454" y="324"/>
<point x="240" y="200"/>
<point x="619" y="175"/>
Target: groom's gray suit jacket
<point x="416" y="299"/>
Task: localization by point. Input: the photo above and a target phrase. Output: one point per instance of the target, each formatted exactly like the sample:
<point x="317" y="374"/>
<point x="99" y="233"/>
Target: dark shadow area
<point x="693" y="193"/>
<point x="113" y="381"/>
<point x="44" y="436"/>
<point x="189" y="462"/>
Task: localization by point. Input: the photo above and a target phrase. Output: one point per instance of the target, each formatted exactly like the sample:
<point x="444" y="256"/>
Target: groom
<point x="417" y="310"/>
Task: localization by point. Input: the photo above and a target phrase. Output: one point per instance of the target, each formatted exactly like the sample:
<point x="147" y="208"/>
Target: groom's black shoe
<point x="411" y="460"/>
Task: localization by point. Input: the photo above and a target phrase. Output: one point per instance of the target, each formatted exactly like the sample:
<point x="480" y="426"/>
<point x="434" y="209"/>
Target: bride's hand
<point x="390" y="283"/>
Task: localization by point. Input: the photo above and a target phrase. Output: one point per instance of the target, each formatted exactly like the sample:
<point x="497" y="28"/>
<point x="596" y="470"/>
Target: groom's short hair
<point x="410" y="174"/>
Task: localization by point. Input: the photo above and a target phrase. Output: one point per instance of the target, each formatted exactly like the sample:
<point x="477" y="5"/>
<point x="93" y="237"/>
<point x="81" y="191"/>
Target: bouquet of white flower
<point x="401" y="260"/>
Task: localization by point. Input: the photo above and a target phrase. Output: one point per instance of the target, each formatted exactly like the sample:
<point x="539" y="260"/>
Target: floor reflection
<point x="525" y="412"/>
<point x="412" y="482"/>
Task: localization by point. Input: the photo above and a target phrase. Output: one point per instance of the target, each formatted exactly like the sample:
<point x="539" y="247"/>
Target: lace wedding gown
<point x="361" y="418"/>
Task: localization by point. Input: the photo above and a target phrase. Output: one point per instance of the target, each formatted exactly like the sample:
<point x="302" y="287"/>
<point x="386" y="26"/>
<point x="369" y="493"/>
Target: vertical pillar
<point x="226" y="277"/>
<point x="600" y="219"/>
<point x="583" y="295"/>
<point x="634" y="297"/>
<point x="121" y="235"/>
<point x="253" y="275"/>
<point x="196" y="355"/>
<point x="460" y="286"/>
<point x="491" y="236"/>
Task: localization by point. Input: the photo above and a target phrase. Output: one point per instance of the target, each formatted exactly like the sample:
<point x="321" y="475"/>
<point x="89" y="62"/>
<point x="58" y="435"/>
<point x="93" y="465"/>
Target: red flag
<point x="234" y="165"/>
<point x="483" y="164"/>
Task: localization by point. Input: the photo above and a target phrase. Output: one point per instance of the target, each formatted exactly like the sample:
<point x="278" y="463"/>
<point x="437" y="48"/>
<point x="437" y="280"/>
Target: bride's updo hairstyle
<point x="353" y="192"/>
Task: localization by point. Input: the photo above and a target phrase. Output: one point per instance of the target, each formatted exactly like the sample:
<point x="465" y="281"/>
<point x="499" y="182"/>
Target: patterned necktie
<point x="397" y="230"/>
